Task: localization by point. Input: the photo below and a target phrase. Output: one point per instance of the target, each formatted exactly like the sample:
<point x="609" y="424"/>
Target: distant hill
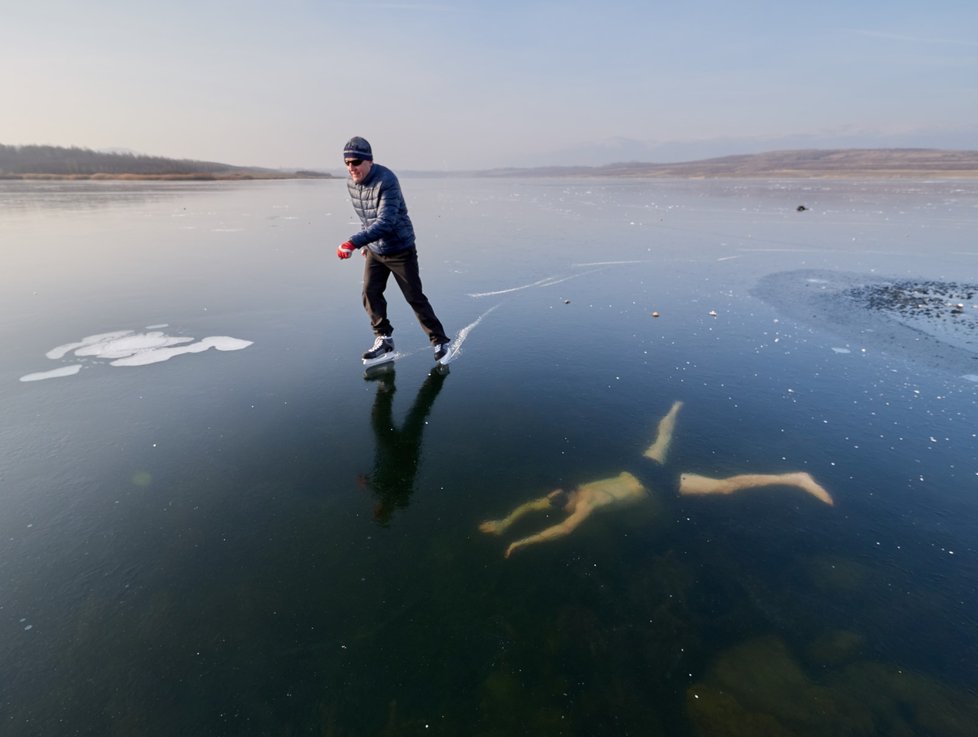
<point x="55" y="162"/>
<point x="900" y="162"/>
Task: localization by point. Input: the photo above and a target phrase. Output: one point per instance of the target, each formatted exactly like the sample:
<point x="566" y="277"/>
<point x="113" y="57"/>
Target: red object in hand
<point x="346" y="250"/>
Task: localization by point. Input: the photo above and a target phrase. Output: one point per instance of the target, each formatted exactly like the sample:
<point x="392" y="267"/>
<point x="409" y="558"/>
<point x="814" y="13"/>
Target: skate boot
<point x="383" y="344"/>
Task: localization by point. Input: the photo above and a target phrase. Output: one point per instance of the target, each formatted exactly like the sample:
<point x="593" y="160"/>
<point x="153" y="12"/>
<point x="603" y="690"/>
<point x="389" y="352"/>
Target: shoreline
<point x="901" y="174"/>
<point x="196" y="177"/>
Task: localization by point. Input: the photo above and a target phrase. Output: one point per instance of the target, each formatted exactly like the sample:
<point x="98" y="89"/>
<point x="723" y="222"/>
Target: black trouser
<point x="404" y="266"/>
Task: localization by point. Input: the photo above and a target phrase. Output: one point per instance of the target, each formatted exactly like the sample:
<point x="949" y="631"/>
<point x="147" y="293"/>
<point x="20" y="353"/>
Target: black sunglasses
<point x="353" y="162"/>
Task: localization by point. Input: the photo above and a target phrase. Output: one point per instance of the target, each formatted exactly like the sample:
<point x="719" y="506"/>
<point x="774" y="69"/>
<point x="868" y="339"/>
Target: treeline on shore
<point x="57" y="162"/>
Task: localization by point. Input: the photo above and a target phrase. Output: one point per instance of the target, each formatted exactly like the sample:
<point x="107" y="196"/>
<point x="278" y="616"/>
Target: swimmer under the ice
<point x="626" y="489"/>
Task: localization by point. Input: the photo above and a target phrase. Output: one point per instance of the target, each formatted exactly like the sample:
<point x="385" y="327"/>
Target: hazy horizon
<point x="472" y="85"/>
<point x="45" y="156"/>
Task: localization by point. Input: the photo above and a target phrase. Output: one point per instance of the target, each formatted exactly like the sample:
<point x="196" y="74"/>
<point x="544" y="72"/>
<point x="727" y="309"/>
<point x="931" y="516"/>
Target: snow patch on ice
<point x="158" y="355"/>
<point x="62" y="350"/>
<point x="129" y="348"/>
<point x="53" y="374"/>
<point x="130" y="345"/>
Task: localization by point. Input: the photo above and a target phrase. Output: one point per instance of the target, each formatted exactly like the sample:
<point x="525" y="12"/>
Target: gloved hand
<point x="346" y="250"/>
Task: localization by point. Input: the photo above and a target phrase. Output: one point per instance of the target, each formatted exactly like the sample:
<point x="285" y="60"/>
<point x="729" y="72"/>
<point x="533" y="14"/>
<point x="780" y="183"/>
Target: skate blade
<point x="380" y="360"/>
<point x="448" y="357"/>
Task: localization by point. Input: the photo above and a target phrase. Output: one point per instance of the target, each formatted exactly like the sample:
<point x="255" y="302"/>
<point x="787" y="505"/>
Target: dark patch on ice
<point x="925" y="321"/>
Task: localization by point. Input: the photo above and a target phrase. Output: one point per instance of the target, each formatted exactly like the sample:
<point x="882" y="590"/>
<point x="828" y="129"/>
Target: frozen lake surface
<point x="212" y="522"/>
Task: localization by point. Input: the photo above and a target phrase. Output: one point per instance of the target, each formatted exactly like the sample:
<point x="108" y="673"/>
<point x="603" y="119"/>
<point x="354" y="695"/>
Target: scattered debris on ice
<point x="928" y="321"/>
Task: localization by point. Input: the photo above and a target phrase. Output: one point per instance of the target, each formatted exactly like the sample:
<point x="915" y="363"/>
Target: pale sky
<point x="467" y="84"/>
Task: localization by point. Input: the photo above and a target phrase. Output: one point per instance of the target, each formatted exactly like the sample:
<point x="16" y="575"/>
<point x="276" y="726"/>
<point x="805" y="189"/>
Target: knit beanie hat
<point x="357" y="148"/>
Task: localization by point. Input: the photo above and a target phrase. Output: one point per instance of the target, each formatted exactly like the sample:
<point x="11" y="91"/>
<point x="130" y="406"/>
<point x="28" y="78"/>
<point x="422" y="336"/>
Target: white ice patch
<point x="609" y="263"/>
<point x="546" y="282"/>
<point x="542" y="283"/>
<point x="971" y="377"/>
<point x="456" y="346"/>
<point x="63" y="350"/>
<point x="158" y="355"/>
<point x="841" y="350"/>
<point x="778" y="250"/>
<point x="53" y="374"/>
<point x="130" y="345"/>
<point x="129" y="348"/>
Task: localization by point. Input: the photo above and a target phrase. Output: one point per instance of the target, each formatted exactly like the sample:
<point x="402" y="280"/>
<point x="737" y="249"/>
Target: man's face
<point x="358" y="168"/>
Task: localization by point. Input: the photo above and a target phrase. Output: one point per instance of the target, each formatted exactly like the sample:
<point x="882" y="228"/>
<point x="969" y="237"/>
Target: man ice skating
<point x="387" y="239"/>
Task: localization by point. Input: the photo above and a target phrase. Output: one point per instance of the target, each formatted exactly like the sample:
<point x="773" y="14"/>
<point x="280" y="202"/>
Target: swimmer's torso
<point x="615" y="490"/>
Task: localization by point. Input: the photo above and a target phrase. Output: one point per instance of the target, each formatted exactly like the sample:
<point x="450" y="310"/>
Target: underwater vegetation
<point x="761" y="687"/>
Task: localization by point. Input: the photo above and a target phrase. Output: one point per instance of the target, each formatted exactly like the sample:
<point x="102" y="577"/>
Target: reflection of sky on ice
<point x="138" y="516"/>
<point x="129" y="348"/>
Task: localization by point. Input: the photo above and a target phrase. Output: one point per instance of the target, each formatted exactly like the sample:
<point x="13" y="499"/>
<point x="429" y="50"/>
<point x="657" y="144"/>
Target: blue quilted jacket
<point x="380" y="206"/>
